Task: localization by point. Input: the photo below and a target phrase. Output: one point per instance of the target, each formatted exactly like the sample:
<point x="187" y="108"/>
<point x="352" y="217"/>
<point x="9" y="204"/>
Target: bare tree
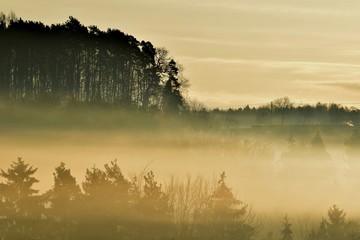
<point x="282" y="105"/>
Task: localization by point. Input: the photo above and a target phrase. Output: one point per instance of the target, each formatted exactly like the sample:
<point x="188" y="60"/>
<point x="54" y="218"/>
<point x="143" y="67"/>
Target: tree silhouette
<point x="336" y="223"/>
<point x="335" y="112"/>
<point x="335" y="227"/>
<point x="226" y="206"/>
<point x="119" y="190"/>
<point x="282" y="105"/>
<point x="19" y="182"/>
<point x="322" y="232"/>
<point x="64" y="199"/>
<point x="154" y="203"/>
<point x="306" y="111"/>
<point x="264" y="115"/>
<point x="23" y="208"/>
<point x="225" y="216"/>
<point x="64" y="192"/>
<point x="107" y="190"/>
<point x="98" y="210"/>
<point x="106" y="202"/>
<point x="107" y="209"/>
<point x="96" y="184"/>
<point x="70" y="63"/>
<point x="172" y="99"/>
<point x="2" y="21"/>
<point x="286" y="231"/>
<point x="317" y="148"/>
<point x="153" y="220"/>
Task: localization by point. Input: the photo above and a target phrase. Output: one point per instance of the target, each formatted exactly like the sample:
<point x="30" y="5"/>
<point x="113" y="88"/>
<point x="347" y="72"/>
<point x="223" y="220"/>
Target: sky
<point x="235" y="52"/>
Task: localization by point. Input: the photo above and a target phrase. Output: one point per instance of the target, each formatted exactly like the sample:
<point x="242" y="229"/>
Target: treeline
<point x="334" y="227"/>
<point x="70" y="62"/>
<point x="110" y="206"/>
<point x="281" y="111"/>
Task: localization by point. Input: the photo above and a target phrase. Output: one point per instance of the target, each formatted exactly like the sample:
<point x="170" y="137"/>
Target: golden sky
<point x="234" y="51"/>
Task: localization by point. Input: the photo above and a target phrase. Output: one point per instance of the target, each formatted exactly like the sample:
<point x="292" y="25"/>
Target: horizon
<point x="236" y="53"/>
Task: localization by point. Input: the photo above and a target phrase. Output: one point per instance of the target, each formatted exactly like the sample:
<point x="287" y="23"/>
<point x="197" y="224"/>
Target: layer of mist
<point x="280" y="179"/>
<point x="269" y="170"/>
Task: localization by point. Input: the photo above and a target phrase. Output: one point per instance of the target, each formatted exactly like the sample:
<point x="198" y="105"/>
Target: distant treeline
<point x="70" y="62"/>
<point x="110" y="206"/>
<point x="281" y="111"/>
<point x="195" y="116"/>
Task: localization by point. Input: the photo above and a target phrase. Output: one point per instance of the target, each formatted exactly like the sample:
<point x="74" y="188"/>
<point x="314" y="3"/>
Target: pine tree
<point x="336" y="223"/>
<point x="65" y="190"/>
<point x="317" y="148"/>
<point x="172" y="99"/>
<point x="227" y="215"/>
<point x="154" y="203"/>
<point x="64" y="199"/>
<point x="322" y="233"/>
<point x="119" y="187"/>
<point x="286" y="231"/>
<point x="154" y="219"/>
<point x="23" y="208"/>
<point x="20" y="192"/>
<point x="226" y="207"/>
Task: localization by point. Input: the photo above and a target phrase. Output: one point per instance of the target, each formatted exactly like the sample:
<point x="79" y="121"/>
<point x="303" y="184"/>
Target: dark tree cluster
<point x="70" y="62"/>
<point x="335" y="227"/>
<point x="109" y="206"/>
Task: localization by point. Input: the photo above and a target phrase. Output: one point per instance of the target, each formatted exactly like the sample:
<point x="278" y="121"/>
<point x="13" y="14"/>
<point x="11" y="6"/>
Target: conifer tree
<point x="19" y="188"/>
<point x="336" y="224"/>
<point x="172" y="99"/>
<point x="65" y="199"/>
<point x="65" y="191"/>
<point x="154" y="203"/>
<point x="23" y="208"/>
<point x="227" y="215"/>
<point x="226" y="207"/>
<point x="286" y="232"/>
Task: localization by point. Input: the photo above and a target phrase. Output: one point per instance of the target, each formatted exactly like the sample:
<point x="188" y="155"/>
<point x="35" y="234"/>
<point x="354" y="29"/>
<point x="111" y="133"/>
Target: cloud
<point x="350" y="86"/>
<point x="349" y="52"/>
<point x="284" y="9"/>
<point x="311" y="66"/>
<point x="202" y="40"/>
<point x="225" y="99"/>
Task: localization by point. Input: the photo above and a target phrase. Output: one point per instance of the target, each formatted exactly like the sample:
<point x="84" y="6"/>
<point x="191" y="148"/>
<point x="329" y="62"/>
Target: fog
<point x="275" y="170"/>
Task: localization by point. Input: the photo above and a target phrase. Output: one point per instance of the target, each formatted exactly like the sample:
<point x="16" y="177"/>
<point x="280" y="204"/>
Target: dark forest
<point x="73" y="63"/>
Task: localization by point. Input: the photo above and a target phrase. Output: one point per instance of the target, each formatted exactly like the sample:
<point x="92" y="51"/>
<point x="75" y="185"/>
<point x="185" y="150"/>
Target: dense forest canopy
<point x="72" y="62"/>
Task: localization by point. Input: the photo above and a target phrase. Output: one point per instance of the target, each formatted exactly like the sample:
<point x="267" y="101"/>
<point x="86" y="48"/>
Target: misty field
<point x="211" y="182"/>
